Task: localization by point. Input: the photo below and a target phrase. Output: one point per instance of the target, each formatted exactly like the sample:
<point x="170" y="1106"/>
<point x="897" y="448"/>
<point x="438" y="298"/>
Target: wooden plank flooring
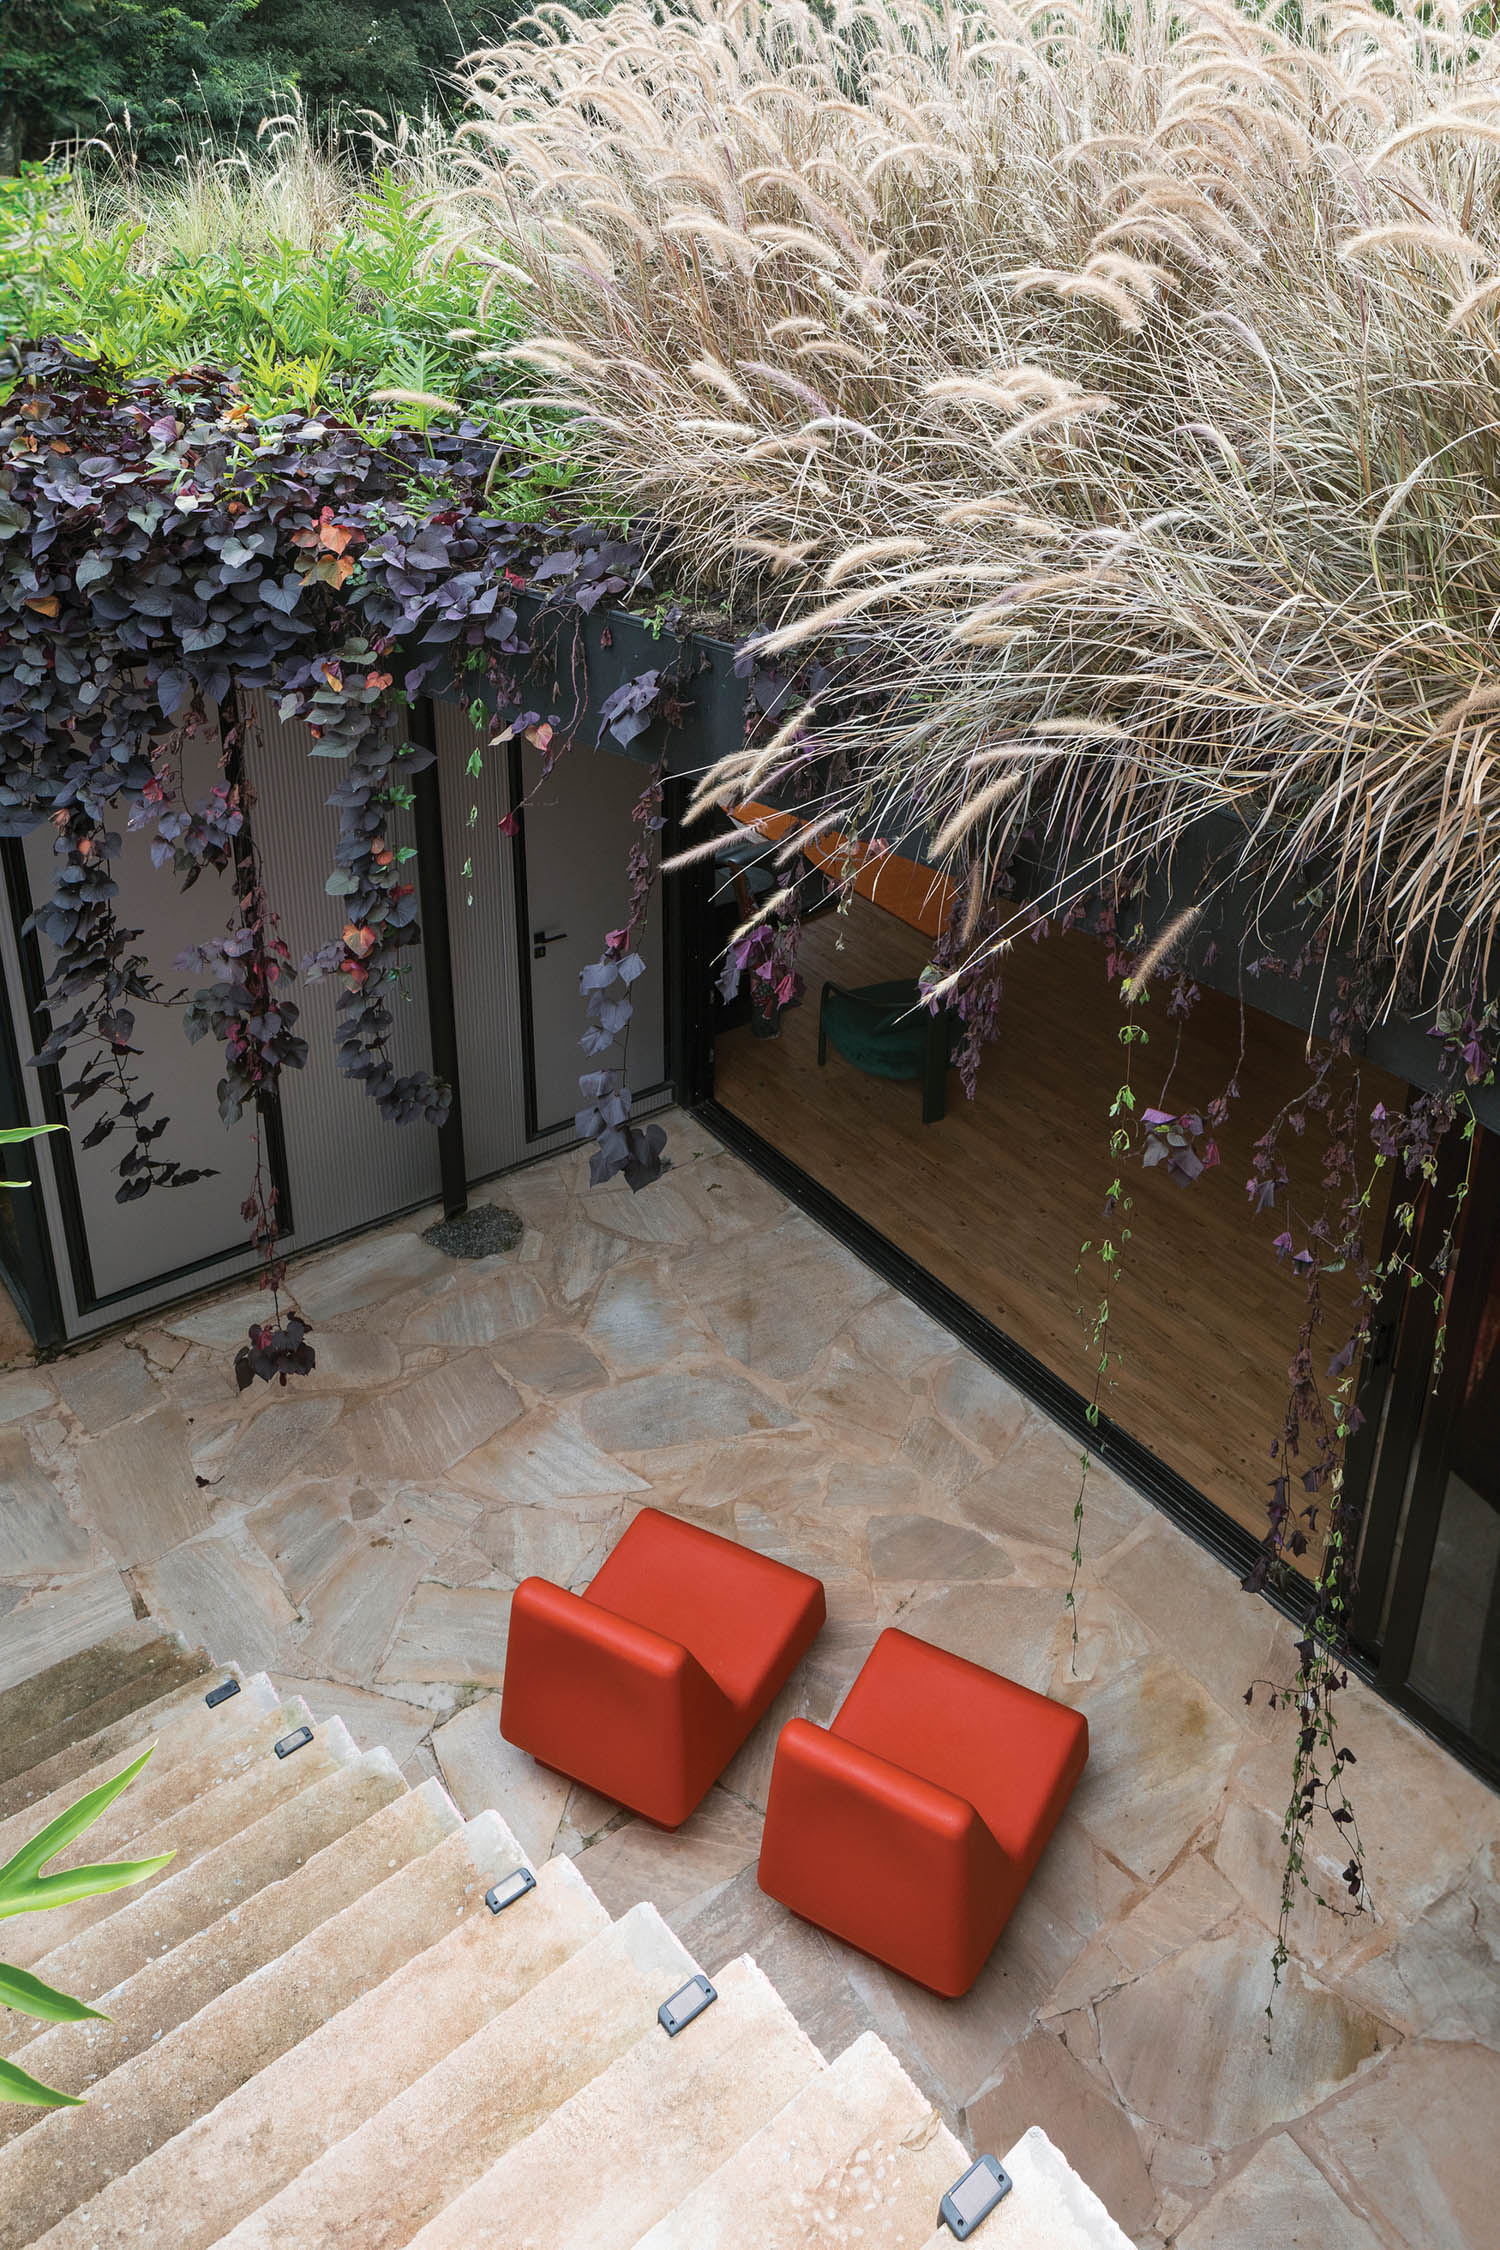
<point x="997" y="1197"/>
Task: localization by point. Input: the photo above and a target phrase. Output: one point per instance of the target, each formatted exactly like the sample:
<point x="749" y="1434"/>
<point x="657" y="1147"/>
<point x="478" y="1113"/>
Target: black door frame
<point x="1395" y="1381"/>
<point x="49" y="1328"/>
<point x="1406" y="1499"/>
<point x="437" y="956"/>
<point x="34" y="1287"/>
<point x="674" y="982"/>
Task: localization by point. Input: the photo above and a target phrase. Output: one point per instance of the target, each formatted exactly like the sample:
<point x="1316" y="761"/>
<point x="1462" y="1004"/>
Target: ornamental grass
<point x="1116" y="387"/>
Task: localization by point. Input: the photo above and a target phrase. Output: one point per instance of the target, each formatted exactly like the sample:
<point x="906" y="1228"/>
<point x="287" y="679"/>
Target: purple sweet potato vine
<point x="162" y="557"/>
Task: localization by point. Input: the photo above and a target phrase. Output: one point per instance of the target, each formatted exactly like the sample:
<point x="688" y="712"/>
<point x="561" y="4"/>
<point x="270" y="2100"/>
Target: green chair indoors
<point x="889" y="1032"/>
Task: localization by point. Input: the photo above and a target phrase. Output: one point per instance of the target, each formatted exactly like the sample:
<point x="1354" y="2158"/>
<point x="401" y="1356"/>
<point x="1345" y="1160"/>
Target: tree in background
<point x="390" y="55"/>
<point x="69" y="68"/>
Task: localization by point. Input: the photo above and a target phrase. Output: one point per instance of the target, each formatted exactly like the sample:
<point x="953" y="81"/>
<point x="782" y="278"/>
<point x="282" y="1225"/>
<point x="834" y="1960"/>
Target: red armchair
<point x="912" y="1826"/>
<point x="645" y="1686"/>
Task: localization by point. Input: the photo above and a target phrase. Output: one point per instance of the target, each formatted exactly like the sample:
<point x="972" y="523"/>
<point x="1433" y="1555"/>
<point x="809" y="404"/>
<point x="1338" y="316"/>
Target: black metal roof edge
<point x="616" y="645"/>
<point x="1248" y="935"/>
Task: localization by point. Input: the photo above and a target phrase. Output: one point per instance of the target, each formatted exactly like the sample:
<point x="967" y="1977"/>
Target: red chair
<point x="912" y="1826"/>
<point x="645" y="1686"/>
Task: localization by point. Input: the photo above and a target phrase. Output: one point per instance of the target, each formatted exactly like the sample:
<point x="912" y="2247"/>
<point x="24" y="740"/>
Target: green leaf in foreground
<point x="27" y="1994"/>
<point x="24" y="1889"/>
<point x="72" y="1883"/>
<point x="19" y="1878"/>
<point x="17" y="2085"/>
<point x="11" y="1134"/>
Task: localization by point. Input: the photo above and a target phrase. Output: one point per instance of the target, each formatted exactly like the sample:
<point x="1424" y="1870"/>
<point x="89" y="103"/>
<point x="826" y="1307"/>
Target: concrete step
<point x="86" y="1760"/>
<point x="623" y="2151"/>
<point x="320" y="2036"/>
<point x="415" y="2156"/>
<point x="185" y="1732"/>
<point x="239" y="1785"/>
<point x="419" y="2000"/>
<point x="368" y="1824"/>
<point x="154" y="1920"/>
<point x="49" y="1699"/>
<point x="165" y="1666"/>
<point x="857" y="2155"/>
<point x="73" y="2154"/>
<point x="1049" y="2207"/>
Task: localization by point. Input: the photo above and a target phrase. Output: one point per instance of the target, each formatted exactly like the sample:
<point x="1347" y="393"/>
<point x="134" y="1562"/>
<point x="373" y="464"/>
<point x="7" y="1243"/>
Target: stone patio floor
<point x="705" y="1347"/>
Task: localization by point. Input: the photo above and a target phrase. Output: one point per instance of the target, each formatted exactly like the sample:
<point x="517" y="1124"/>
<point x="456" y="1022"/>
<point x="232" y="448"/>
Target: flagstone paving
<point x="705" y="1348"/>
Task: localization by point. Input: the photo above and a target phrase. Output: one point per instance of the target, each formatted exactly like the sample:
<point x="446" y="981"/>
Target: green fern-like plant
<point x="24" y="1889"/>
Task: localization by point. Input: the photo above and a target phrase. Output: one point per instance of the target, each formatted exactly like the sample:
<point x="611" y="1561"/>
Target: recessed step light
<point x="973" y="2196"/>
<point x="685" y="2005"/>
<point x="506" y="1893"/>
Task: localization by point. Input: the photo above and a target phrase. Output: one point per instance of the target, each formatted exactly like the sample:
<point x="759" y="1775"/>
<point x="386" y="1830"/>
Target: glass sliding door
<point x="1430" y="1587"/>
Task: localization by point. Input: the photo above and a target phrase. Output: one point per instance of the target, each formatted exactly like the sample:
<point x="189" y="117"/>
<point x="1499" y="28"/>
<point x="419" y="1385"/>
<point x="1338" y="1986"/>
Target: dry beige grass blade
<point x="301" y="184"/>
<point x="1125" y="380"/>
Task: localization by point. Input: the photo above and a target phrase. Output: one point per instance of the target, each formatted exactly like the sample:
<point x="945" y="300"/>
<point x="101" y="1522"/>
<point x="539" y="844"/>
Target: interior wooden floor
<point x="997" y="1197"/>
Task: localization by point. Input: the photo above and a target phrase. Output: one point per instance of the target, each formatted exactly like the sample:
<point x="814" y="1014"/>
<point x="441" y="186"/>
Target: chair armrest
<point x="611" y="1703"/>
<point x="870" y="1851"/>
<point x="809" y="1759"/>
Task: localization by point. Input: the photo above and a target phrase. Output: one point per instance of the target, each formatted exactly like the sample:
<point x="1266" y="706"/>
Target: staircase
<point x="321" y="2034"/>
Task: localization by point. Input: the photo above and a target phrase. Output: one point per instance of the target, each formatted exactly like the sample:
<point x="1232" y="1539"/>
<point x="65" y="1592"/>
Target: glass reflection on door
<point x="1456" y="1660"/>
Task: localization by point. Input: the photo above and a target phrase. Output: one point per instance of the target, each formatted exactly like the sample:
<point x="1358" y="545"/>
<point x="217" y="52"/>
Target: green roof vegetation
<point x="322" y="270"/>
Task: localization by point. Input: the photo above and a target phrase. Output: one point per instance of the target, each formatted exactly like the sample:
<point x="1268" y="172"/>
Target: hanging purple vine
<point x="965" y="945"/>
<point x="621" y="1149"/>
<point x="766" y="953"/>
<point x="95" y="987"/>
<point x="249" y="1009"/>
<point x="161" y="553"/>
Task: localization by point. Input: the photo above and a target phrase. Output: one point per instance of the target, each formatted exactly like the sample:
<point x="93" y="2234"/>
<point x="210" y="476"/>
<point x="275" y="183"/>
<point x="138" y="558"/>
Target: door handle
<point x="541" y="939"/>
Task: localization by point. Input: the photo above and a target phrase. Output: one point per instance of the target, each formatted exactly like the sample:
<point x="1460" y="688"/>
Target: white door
<point x="347" y="1165"/>
<point x="120" y="1248"/>
<point x="578" y="832"/>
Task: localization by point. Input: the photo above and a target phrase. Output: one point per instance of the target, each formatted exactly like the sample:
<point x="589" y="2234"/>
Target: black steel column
<point x="234" y="730"/>
<point x="35" y="1285"/>
<point x="688" y="929"/>
<point x="437" y="958"/>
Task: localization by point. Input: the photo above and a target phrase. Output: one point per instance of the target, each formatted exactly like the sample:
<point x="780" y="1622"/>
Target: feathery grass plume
<point x="1477" y="301"/>
<point x="1438" y="242"/>
<point x="428" y="399"/>
<point x="719" y="379"/>
<point x="870" y="551"/>
<point x="1433" y="128"/>
<point x="776" y="552"/>
<point x="973" y="810"/>
<point x="691" y="854"/>
<point x="761" y="912"/>
<point x="736" y="776"/>
<point x="1161" y="947"/>
<point x="1202" y="493"/>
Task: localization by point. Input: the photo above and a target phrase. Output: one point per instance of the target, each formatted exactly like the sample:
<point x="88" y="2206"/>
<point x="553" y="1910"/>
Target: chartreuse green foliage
<point x="347" y="302"/>
<point x="24" y="1889"/>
